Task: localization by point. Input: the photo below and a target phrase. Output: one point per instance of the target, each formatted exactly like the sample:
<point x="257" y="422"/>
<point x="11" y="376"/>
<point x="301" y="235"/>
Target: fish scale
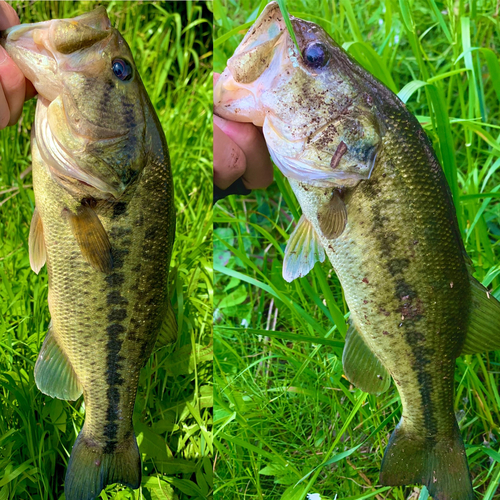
<point x="104" y="224"/>
<point x="374" y="201"/>
<point x="376" y="277"/>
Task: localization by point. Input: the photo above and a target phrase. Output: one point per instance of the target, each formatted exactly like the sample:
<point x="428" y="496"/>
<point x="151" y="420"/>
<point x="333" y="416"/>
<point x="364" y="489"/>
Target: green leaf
<point x="158" y="488"/>
<point x="289" y="27"/>
<point x="184" y="360"/>
<point x="150" y="443"/>
<point x="235" y="297"/>
<point x="188" y="487"/>
<point x="294" y="492"/>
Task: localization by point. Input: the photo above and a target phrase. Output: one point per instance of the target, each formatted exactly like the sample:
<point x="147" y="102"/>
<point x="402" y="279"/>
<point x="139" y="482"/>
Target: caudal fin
<point x="441" y="465"/>
<point x="90" y="470"/>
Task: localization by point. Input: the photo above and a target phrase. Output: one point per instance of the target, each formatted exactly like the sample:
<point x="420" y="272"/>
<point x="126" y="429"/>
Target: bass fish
<point x="104" y="224"/>
<point x="375" y="201"/>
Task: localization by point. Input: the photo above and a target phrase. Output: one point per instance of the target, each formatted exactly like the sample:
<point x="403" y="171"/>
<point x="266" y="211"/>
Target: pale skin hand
<point x="14" y="88"/>
<point x="240" y="151"/>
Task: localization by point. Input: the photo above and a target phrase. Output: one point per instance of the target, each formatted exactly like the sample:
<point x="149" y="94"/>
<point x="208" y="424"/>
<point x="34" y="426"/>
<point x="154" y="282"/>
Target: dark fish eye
<point x="316" y="55"/>
<point x="122" y="69"/>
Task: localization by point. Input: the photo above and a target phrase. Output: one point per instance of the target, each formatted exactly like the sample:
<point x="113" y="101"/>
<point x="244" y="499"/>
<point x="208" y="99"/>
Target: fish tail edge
<point x="441" y="465"/>
<point x="91" y="469"/>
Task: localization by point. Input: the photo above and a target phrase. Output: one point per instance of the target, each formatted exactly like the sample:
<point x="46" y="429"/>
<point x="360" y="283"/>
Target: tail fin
<point x="90" y="469"/>
<point x="440" y="465"/>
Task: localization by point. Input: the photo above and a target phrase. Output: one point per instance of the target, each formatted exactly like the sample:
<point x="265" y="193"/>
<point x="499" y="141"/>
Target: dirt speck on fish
<point x="104" y="224"/>
<point x="374" y="200"/>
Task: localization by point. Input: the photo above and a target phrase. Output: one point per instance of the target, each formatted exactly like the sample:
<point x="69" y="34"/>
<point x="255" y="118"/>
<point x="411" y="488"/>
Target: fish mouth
<point x="252" y="68"/>
<point x="42" y="49"/>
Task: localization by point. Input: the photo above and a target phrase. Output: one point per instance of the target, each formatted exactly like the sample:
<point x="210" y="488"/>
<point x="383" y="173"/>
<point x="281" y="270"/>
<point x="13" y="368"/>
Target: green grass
<point x="172" y="45"/>
<point x="288" y="423"/>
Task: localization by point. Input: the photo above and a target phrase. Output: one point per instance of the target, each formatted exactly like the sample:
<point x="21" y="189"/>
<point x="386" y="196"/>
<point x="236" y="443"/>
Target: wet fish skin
<point x="375" y="201"/>
<point x="106" y="223"/>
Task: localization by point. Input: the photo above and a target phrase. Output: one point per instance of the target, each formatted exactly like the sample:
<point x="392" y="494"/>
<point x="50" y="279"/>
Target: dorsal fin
<point x="484" y="321"/>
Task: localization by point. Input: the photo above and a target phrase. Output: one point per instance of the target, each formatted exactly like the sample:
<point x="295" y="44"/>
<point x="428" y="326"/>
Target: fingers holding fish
<point x="240" y="150"/>
<point x="8" y="16"/>
<point x="14" y="88"/>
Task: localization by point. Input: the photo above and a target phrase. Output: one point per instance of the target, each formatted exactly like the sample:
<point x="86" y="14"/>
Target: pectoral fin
<point x="36" y="243"/>
<point x="332" y="217"/>
<point x="91" y="238"/>
<point x="484" y="322"/>
<point x="361" y="366"/>
<point x="54" y="374"/>
<point x="302" y="251"/>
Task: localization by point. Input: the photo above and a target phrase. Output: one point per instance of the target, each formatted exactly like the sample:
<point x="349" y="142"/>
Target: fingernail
<point x="220" y="122"/>
<point x="3" y="55"/>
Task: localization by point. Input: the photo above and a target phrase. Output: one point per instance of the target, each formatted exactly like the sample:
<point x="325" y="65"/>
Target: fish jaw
<point x="41" y="49"/>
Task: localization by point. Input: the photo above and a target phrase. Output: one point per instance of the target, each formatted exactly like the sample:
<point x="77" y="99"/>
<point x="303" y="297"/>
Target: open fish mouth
<point x="42" y="49"/>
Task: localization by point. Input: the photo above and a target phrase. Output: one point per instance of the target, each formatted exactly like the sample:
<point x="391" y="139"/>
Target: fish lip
<point x="13" y="33"/>
<point x="46" y="47"/>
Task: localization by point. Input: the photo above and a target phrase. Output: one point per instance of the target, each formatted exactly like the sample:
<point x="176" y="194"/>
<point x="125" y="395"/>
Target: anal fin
<point x="36" y="243"/>
<point x="483" y="333"/>
<point x="302" y="251"/>
<point x="91" y="238"/>
<point x="361" y="366"/>
<point x="54" y="374"/>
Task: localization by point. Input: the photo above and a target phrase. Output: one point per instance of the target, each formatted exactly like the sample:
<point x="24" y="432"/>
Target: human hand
<point x="240" y="151"/>
<point x="14" y="88"/>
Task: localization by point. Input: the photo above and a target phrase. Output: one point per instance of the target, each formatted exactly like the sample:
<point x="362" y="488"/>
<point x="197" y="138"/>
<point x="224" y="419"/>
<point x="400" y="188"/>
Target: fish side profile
<point x="104" y="224"/>
<point x="374" y="200"/>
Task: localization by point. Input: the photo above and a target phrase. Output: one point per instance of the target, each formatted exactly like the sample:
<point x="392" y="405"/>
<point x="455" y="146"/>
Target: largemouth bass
<point x="375" y="201"/>
<point x="104" y="224"/>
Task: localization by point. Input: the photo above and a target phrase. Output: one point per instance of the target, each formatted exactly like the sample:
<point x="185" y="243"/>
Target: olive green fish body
<point x="401" y="264"/>
<point x="107" y="324"/>
<point x="375" y="201"/>
<point x="104" y="224"/>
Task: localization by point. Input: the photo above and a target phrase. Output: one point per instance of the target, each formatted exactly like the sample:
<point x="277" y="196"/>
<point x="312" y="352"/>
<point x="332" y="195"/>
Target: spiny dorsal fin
<point x="36" y="243"/>
<point x="91" y="238"/>
<point x="302" y="251"/>
<point x="332" y="217"/>
<point x="361" y="366"/>
<point x="483" y="333"/>
<point x="54" y="374"/>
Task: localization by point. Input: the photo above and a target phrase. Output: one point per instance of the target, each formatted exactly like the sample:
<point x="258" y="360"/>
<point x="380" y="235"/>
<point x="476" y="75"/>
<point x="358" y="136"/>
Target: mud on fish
<point x="374" y="201"/>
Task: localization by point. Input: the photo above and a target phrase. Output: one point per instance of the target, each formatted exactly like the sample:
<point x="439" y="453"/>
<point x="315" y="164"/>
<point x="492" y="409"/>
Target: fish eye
<point x="122" y="69"/>
<point x="316" y="55"/>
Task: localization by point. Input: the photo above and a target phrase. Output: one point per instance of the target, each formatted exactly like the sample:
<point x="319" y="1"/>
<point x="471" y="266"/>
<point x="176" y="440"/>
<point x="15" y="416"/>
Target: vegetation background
<point x="172" y="46"/>
<point x="288" y="424"/>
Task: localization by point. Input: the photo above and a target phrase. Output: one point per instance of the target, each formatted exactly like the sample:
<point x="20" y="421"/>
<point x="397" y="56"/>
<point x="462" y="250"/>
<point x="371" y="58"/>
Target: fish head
<point x="318" y="109"/>
<point x="90" y="118"/>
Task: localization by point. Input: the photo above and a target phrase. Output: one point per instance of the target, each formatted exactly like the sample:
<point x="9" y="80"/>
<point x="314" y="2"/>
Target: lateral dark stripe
<point x="410" y="308"/>
<point x="114" y="380"/>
